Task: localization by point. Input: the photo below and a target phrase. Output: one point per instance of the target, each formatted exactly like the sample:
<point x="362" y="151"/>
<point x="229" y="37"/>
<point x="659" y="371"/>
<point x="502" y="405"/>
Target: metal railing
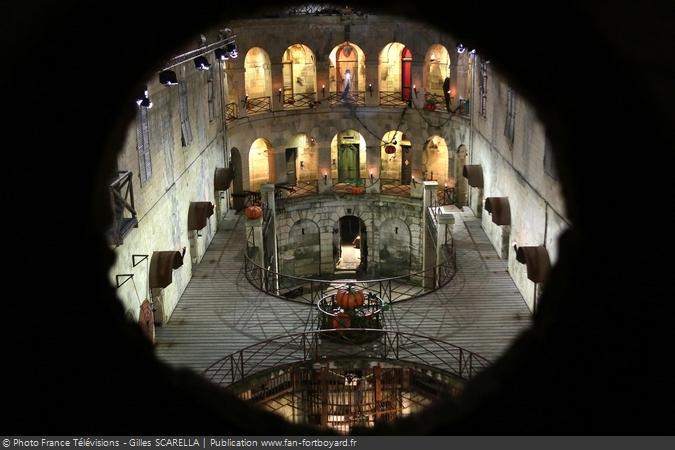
<point x="357" y="98"/>
<point x="392" y="99"/>
<point x="303" y="100"/>
<point x="308" y="346"/>
<point x="121" y="201"/>
<point x="392" y="186"/>
<point x="258" y="105"/>
<point x="230" y="112"/>
<point x="390" y="289"/>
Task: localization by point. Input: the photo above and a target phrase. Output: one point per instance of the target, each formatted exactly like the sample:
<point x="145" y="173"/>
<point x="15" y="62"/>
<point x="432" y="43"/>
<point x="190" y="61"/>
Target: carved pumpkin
<point x="349" y="299"/>
<point x="358" y="190"/>
<point x="341" y="320"/>
<point x="253" y="212"/>
<point x="390" y="149"/>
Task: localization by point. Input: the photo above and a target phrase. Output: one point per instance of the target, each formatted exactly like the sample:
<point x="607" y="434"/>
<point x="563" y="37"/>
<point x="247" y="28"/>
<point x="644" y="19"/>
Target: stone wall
<point x="382" y="215"/>
<point x="180" y="175"/>
<point x="515" y="169"/>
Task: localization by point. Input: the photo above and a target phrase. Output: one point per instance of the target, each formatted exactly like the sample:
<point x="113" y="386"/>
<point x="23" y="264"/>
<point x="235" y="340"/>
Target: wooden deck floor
<point x="220" y="312"/>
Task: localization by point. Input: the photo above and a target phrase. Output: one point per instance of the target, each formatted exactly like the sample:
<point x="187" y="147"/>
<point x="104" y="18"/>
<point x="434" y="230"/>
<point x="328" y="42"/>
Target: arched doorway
<point x="395" y="158"/>
<point x="396" y="71"/>
<point x="436" y="70"/>
<point x="348" y="157"/>
<point x="302" y="159"/>
<point x="258" y="80"/>
<point x="238" y="180"/>
<point x="350" y="245"/>
<point x="435" y="160"/>
<point x="347" y="58"/>
<point x="299" y="76"/>
<point x="260" y="162"/>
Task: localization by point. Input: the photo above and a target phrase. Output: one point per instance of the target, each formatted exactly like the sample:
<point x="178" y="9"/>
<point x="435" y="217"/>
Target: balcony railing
<point x="390" y="186"/>
<point x="357" y="98"/>
<point x="122" y="203"/>
<point x="230" y="112"/>
<point x="308" y="346"/>
<point x="258" y="105"/>
<point x="304" y="100"/>
<point x="392" y="99"/>
<point x="390" y="289"/>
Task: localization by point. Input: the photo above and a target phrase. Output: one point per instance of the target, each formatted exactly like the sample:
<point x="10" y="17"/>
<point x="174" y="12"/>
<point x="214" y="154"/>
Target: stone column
<point x="277" y="83"/>
<point x="429" y="189"/>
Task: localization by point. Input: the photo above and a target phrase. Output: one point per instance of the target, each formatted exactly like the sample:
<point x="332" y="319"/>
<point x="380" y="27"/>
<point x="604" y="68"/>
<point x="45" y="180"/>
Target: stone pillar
<point x="444" y="227"/>
<point x="429" y="189"/>
<point x="267" y="196"/>
<point x="277" y="83"/>
<point x="325" y="182"/>
<point x="372" y="82"/>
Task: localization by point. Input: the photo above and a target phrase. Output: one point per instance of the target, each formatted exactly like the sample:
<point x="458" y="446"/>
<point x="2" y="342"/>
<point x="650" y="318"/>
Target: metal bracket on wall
<point x="137" y="262"/>
<point x="117" y="278"/>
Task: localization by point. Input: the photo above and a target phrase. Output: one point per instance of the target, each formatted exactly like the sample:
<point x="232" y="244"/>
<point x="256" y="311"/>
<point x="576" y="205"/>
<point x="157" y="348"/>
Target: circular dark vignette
<point x="589" y="364"/>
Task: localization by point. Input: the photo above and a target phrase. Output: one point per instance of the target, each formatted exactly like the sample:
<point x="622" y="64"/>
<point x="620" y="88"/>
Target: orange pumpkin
<point x="253" y="212"/>
<point x="341" y="320"/>
<point x="390" y="149"/>
<point x="358" y="190"/>
<point x="349" y="299"/>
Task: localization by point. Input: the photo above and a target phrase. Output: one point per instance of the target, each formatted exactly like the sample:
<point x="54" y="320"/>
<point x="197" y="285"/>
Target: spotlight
<point x="231" y="48"/>
<point x="144" y="100"/>
<point x="221" y="54"/>
<point x="460" y="48"/>
<point x="201" y="63"/>
<point x="168" y="78"/>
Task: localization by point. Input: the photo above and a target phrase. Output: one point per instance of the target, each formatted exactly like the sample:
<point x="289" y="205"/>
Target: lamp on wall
<point x="370" y="88"/>
<point x="279" y="93"/>
<point x="144" y="99"/>
<point x="414" y="182"/>
<point x="325" y="178"/>
<point x="415" y="90"/>
<point x="168" y="78"/>
<point x="231" y="48"/>
<point x="323" y="90"/>
<point x="371" y="176"/>
<point x="201" y="63"/>
<point x="221" y="54"/>
<point x="460" y="48"/>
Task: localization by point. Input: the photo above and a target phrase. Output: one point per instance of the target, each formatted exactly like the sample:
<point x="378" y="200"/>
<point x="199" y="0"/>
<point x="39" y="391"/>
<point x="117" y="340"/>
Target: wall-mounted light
<point x="312" y="141"/>
<point x="201" y="63"/>
<point x="415" y="90"/>
<point x="414" y="182"/>
<point x="144" y="99"/>
<point x="325" y="177"/>
<point x="302" y="164"/>
<point x="168" y="78"/>
<point x="279" y="93"/>
<point x="460" y="48"/>
<point x="231" y="48"/>
<point x="371" y="176"/>
<point x="221" y="54"/>
<point x="370" y="88"/>
<point x="323" y="90"/>
<point x="245" y="101"/>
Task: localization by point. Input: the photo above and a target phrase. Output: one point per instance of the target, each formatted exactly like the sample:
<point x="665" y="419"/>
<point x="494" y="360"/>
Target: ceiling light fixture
<point x="201" y="63"/>
<point x="168" y="78"/>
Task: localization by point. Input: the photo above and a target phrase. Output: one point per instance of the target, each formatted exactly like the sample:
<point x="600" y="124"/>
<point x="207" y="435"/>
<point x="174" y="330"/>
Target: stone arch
<point x="436" y="70"/>
<point x="343" y="57"/>
<point x="435" y="162"/>
<point x="342" y="169"/>
<point x="299" y="76"/>
<point x="304" y="241"/>
<point x="260" y="164"/>
<point x="395" y="70"/>
<point x="394" y="247"/>
<point x="258" y="74"/>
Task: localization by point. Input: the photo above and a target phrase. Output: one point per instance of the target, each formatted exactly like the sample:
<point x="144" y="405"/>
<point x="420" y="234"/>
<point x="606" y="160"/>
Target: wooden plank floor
<point x="220" y="312"/>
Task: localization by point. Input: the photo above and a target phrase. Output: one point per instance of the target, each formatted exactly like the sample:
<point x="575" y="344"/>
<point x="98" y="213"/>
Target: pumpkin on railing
<point x="253" y="212"/>
<point x="349" y="298"/>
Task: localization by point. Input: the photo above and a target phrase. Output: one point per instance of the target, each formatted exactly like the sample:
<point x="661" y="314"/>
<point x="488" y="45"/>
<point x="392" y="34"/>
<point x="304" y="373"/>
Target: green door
<point x="348" y="163"/>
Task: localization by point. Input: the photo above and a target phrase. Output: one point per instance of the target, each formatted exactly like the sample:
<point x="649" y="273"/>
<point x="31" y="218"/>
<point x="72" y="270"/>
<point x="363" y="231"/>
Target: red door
<point x="406" y="74"/>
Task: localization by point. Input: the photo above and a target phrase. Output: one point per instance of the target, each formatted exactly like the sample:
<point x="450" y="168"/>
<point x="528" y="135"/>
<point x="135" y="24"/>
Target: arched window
<point x="348" y="157"/>
<point x="299" y="76"/>
<point x="258" y="80"/>
<point x="395" y="73"/>
<point x="260" y="160"/>
<point x="347" y="73"/>
<point x="435" y="162"/>
<point x="436" y="70"/>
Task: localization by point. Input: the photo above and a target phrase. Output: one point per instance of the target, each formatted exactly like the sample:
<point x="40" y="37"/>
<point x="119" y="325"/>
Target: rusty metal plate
<point x="474" y="173"/>
<point x="500" y="210"/>
<point x="537" y="261"/>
